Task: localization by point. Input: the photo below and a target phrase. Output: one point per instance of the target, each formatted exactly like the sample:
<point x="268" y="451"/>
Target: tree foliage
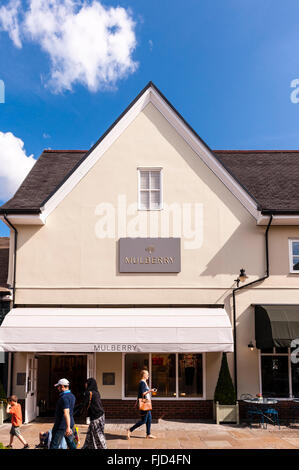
<point x="225" y="391"/>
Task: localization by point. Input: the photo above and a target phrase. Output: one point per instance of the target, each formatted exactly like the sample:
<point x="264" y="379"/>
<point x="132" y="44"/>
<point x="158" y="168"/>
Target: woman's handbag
<point x="144" y="404"/>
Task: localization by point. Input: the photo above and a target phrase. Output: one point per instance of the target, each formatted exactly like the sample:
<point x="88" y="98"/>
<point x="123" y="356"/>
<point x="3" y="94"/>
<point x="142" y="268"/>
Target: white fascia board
<point x="24" y="219"/>
<point x="205" y="154"/>
<point x="150" y="95"/>
<point x="278" y="220"/>
<point x="96" y="154"/>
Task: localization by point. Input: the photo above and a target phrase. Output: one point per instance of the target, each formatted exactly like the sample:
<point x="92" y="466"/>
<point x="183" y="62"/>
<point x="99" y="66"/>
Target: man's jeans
<point x="57" y="438"/>
<point x="146" y="418"/>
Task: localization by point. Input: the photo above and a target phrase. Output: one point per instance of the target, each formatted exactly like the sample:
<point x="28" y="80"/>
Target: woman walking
<point x="95" y="438"/>
<point x="146" y="416"/>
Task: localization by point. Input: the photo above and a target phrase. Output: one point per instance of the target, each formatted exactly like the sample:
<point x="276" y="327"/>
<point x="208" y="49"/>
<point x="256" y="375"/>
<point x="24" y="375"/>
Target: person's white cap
<point x="62" y="382"/>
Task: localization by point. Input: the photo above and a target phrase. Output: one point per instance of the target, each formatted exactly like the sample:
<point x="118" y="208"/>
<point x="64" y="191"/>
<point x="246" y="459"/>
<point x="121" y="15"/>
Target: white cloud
<point x="9" y="21"/>
<point x="14" y="164"/>
<point x="87" y="42"/>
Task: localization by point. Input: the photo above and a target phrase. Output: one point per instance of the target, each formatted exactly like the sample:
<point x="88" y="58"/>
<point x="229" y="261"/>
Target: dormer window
<point x="294" y="255"/>
<point x="149" y="189"/>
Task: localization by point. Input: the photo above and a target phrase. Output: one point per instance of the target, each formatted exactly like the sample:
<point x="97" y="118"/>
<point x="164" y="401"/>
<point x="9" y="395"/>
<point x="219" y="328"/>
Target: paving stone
<point x="176" y="435"/>
<point x="217" y="444"/>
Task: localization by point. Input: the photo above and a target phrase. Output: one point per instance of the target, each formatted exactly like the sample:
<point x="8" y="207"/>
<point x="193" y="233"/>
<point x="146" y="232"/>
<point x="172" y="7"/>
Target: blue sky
<point x="226" y="65"/>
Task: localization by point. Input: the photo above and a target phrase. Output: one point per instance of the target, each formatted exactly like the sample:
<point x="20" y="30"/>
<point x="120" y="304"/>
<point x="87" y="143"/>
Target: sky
<point x="70" y="67"/>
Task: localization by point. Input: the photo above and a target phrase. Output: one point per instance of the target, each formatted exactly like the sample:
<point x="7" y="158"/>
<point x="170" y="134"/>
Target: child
<point x="14" y="408"/>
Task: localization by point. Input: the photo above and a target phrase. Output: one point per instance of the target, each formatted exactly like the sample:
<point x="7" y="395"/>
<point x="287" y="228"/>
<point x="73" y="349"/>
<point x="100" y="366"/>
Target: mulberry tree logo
<point x="2" y="92"/>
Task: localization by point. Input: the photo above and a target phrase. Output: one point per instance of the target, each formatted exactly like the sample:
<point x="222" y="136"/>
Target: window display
<point x="163" y="374"/>
<point x="134" y="364"/>
<point x="174" y="375"/>
<point x="190" y="375"/>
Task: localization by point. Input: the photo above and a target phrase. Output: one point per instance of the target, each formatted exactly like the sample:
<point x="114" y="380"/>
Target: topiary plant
<point x="225" y="392"/>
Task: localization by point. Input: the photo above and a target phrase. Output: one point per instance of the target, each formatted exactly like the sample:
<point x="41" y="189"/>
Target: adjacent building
<point x="128" y="256"/>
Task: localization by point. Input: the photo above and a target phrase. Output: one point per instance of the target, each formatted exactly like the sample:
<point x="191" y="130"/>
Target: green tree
<point x="225" y="391"/>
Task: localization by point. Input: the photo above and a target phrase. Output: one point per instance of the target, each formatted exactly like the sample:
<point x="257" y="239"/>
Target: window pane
<point x="155" y="179"/>
<point x="144" y="179"/>
<point x="155" y="199"/>
<point x="144" y="200"/>
<point x="275" y="378"/>
<point x="134" y="364"/>
<point x="163" y="374"/>
<point x="267" y="351"/>
<point x="281" y="350"/>
<point x="295" y="263"/>
<point x="295" y="246"/>
<point x="295" y="379"/>
<point x="190" y="375"/>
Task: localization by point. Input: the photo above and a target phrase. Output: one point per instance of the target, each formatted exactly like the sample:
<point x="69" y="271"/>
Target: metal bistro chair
<point x="254" y="414"/>
<point x="272" y="415"/>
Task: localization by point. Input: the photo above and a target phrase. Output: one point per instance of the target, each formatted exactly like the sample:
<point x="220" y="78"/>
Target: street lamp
<point x="242" y="277"/>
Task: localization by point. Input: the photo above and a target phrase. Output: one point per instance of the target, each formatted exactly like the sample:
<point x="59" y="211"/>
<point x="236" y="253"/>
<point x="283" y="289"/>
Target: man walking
<point x="64" y="420"/>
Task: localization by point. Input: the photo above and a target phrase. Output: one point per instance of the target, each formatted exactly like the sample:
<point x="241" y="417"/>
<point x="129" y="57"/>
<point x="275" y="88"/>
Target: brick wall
<point x="168" y="409"/>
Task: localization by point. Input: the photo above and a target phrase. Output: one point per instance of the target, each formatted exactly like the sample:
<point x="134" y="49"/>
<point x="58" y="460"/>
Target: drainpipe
<point x="11" y="356"/>
<point x="234" y="303"/>
<point x="15" y="258"/>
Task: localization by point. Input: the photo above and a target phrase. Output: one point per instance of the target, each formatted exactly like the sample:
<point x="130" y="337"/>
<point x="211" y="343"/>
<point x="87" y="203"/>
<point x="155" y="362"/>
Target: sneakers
<point x="8" y="447"/>
<point x="26" y="446"/>
<point x="150" y="436"/>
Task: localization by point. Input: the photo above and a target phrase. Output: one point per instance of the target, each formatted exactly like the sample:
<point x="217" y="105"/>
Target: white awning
<point x="116" y="329"/>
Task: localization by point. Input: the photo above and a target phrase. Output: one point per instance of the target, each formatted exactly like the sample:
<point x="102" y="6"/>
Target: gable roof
<point x="54" y="174"/>
<point x="46" y="175"/>
<point x="270" y="175"/>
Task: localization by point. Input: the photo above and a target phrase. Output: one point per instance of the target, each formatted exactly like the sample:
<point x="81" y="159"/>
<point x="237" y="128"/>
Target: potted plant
<point x="226" y="408"/>
<point x="3" y="404"/>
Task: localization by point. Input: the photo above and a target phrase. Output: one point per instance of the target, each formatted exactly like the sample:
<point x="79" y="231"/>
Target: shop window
<point x="294" y="255"/>
<point x="174" y="375"/>
<point x="275" y="376"/>
<point x="134" y="364"/>
<point x="150" y="189"/>
<point x="295" y="378"/>
<point x="190" y="375"/>
<point x="164" y="374"/>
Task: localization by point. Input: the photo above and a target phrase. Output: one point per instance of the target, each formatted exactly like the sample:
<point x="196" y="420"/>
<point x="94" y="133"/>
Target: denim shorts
<point x="15" y="430"/>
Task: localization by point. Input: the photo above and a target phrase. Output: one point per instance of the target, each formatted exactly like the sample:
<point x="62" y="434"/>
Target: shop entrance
<point x="51" y="368"/>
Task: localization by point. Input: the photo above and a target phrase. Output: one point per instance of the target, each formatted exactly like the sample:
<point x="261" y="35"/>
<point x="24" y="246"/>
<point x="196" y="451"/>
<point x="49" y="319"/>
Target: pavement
<point x="176" y="435"/>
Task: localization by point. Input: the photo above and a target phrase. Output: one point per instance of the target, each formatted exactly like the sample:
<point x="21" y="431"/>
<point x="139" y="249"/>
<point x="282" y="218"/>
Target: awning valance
<point x="116" y="329"/>
<point x="276" y="325"/>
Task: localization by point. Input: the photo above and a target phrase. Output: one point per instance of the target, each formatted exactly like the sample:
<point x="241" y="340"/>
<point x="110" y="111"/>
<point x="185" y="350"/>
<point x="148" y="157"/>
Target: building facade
<point x="127" y="257"/>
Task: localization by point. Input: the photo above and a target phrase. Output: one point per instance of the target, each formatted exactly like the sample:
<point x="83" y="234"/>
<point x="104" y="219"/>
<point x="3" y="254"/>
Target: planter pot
<point x="226" y="413"/>
<point x="3" y="414"/>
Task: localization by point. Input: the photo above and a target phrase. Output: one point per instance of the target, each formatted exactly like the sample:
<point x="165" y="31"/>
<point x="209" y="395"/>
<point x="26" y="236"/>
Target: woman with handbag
<point x="95" y="438"/>
<point x="145" y="406"/>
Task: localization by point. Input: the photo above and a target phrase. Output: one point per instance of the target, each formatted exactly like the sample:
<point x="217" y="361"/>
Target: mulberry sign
<point x="149" y="255"/>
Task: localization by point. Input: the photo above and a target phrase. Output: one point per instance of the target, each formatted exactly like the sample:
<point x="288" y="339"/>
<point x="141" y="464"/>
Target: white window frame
<point x="291" y="241"/>
<point x="139" y="169"/>
<point x="176" y="398"/>
<point x="288" y="354"/>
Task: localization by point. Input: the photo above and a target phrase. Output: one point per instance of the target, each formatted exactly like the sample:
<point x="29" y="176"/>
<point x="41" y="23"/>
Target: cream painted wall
<point x="64" y="262"/>
<point x="19" y="366"/>
<point x="109" y="362"/>
<point x="74" y="257"/>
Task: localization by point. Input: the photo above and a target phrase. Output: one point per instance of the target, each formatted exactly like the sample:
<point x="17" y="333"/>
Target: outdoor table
<point x="263" y="404"/>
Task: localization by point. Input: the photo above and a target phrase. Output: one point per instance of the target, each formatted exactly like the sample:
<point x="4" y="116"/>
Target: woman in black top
<point x="95" y="438"/>
<point x="145" y="416"/>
